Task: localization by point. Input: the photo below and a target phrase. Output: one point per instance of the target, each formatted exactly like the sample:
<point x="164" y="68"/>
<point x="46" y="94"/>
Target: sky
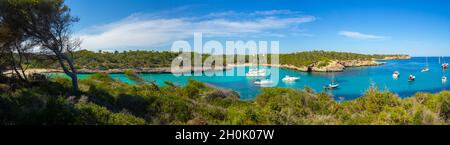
<point x="414" y="27"/>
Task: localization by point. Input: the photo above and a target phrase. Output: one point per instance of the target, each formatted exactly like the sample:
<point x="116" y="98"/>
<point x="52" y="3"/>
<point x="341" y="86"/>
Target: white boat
<point x="333" y="85"/>
<point x="264" y="82"/>
<point x="257" y="73"/>
<point x="396" y="74"/>
<point x="411" y="78"/>
<point x="445" y="66"/>
<point x="290" y="79"/>
<point x="426" y="68"/>
<point x="444" y="79"/>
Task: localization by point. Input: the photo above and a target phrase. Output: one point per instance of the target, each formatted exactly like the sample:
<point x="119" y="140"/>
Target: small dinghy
<point x="411" y="78"/>
<point x="444" y="79"/>
<point x="290" y="79"/>
<point x="264" y="82"/>
<point x="396" y="75"/>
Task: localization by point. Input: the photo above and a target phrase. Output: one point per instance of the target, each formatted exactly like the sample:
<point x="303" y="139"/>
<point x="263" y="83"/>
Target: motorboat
<point x="445" y="66"/>
<point x="264" y="82"/>
<point x="444" y="79"/>
<point x="411" y="78"/>
<point x="257" y="73"/>
<point x="396" y="74"/>
<point x="290" y="79"/>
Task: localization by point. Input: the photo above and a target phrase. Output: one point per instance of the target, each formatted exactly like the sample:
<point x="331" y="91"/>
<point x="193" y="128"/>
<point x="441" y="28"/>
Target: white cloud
<point x="139" y="31"/>
<point x="360" y="36"/>
<point x="276" y="12"/>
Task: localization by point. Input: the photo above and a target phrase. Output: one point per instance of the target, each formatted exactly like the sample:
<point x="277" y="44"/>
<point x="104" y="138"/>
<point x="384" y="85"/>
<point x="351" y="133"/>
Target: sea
<point x="353" y="82"/>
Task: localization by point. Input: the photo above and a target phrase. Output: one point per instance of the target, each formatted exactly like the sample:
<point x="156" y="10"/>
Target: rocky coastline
<point x="331" y="66"/>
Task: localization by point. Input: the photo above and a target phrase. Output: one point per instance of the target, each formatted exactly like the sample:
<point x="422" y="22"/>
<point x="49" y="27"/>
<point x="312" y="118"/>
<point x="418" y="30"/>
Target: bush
<point x="92" y="114"/>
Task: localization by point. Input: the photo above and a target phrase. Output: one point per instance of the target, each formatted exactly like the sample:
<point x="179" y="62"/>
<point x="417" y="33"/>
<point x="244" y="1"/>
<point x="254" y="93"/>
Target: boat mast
<point x="332" y="78"/>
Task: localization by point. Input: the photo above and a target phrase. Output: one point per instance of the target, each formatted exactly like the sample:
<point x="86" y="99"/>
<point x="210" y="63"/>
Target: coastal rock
<point x="332" y="66"/>
<point x="360" y="63"/>
<point x="396" y="57"/>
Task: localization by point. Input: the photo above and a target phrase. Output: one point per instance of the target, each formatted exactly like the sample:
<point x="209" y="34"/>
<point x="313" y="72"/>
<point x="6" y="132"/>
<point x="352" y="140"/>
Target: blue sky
<point x="415" y="27"/>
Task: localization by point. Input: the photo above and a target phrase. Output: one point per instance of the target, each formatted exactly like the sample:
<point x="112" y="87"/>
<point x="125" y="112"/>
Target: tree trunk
<point x="72" y="73"/>
<point x="75" y="88"/>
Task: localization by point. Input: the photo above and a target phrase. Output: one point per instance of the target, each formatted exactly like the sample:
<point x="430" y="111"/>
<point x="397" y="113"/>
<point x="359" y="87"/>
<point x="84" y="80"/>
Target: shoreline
<point x="332" y="66"/>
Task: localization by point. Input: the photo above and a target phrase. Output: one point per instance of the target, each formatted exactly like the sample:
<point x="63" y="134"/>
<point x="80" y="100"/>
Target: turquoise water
<point x="353" y="82"/>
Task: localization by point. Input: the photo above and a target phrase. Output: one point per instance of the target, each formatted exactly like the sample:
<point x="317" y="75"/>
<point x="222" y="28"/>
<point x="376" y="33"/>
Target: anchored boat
<point x="396" y="75"/>
<point x="411" y="78"/>
<point x="426" y="68"/>
<point x="257" y="73"/>
<point x="264" y="82"/>
<point x="333" y="85"/>
<point x="290" y="79"/>
<point x="445" y="66"/>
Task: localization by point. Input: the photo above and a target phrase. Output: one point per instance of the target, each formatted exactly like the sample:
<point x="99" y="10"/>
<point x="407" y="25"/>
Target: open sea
<point x="353" y="81"/>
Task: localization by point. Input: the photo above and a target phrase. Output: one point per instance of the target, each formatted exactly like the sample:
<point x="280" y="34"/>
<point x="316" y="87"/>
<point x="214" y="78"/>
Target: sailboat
<point x="444" y="65"/>
<point x="333" y="85"/>
<point x="426" y="69"/>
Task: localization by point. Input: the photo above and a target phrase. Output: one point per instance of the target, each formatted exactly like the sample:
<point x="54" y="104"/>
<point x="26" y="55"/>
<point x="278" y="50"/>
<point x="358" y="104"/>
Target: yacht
<point x="333" y="85"/>
<point x="264" y="82"/>
<point x="426" y="68"/>
<point x="290" y="79"/>
<point x="396" y="74"/>
<point x="411" y="78"/>
<point x="257" y="73"/>
<point x="445" y="66"/>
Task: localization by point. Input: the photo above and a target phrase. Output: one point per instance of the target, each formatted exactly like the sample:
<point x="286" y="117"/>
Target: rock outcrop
<point x="332" y="66"/>
<point x="396" y="57"/>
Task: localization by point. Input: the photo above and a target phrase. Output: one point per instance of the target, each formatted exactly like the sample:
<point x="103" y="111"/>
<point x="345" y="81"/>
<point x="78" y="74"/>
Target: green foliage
<point x="108" y="101"/>
<point x="302" y="59"/>
<point x="92" y="114"/>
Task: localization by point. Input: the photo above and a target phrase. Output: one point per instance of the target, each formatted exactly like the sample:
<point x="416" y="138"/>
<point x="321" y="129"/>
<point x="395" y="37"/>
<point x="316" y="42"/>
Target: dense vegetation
<point x="34" y="99"/>
<point x="108" y="101"/>
<point x="307" y="58"/>
<point x="150" y="59"/>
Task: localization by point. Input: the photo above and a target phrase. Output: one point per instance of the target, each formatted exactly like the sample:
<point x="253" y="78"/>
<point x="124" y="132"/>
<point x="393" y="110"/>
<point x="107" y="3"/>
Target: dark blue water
<point x="353" y="81"/>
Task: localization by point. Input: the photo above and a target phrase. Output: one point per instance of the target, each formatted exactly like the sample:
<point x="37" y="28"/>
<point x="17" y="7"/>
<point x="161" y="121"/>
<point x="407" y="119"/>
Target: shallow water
<point x="353" y="82"/>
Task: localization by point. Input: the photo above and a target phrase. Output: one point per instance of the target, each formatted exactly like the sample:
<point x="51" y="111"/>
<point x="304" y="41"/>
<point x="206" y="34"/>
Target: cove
<point x="353" y="81"/>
